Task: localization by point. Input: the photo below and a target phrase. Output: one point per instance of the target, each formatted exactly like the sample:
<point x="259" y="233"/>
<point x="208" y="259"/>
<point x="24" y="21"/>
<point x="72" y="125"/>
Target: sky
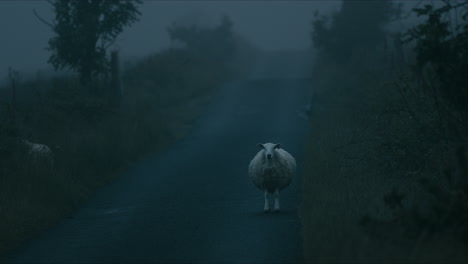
<point x="270" y="25"/>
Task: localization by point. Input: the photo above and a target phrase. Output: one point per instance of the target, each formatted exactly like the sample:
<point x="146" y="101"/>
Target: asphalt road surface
<point x="194" y="202"/>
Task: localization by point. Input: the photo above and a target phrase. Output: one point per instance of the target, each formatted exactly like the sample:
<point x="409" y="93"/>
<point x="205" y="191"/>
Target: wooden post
<point x="13" y="75"/>
<point x="115" y="86"/>
<point x="399" y="49"/>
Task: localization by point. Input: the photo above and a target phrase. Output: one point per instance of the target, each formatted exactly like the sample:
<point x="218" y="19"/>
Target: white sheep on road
<point x="272" y="170"/>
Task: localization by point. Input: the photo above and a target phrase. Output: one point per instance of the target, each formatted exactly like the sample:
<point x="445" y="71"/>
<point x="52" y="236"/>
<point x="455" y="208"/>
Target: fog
<point x="148" y="150"/>
<point x="270" y="25"/>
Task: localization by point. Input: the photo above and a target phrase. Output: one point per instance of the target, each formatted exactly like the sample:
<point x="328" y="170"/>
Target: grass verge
<point x="371" y="133"/>
<point x="93" y="140"/>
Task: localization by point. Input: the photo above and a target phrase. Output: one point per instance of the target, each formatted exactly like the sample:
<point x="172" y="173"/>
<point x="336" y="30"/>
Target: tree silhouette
<point x="441" y="42"/>
<point x="217" y="42"/>
<point x="358" y="26"/>
<point x="84" y="30"/>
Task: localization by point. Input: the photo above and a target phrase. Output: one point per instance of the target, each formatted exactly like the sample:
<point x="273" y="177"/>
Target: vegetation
<point x="387" y="149"/>
<point x="442" y="45"/>
<point x="358" y="27"/>
<point x="200" y="40"/>
<point x="94" y="140"/>
<point x="85" y="30"/>
<point x="440" y="49"/>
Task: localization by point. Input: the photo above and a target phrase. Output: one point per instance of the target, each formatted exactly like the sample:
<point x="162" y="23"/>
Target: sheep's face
<point x="269" y="151"/>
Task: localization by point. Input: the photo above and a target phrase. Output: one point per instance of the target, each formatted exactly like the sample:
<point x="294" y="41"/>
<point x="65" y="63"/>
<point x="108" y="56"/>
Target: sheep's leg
<point x="266" y="208"/>
<point x="277" y="204"/>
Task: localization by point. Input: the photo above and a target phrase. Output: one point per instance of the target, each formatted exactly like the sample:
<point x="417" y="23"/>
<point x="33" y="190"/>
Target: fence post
<point x="115" y="85"/>
<point x="13" y="75"/>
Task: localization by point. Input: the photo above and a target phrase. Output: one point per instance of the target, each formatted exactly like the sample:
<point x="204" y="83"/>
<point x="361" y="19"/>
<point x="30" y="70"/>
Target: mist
<point x="242" y="131"/>
<point x="270" y="25"/>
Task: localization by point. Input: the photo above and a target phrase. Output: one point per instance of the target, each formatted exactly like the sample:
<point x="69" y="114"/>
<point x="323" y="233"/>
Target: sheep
<point x="40" y="156"/>
<point x="272" y="170"/>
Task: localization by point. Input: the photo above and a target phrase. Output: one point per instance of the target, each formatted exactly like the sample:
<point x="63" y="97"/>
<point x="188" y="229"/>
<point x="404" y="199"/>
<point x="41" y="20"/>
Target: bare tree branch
<point x="43" y="20"/>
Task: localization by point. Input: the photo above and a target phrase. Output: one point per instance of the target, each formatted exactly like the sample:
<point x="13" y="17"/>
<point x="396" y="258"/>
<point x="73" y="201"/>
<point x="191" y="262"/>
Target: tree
<point x="441" y="41"/>
<point x="216" y="43"/>
<point x="84" y="30"/>
<point x="358" y="26"/>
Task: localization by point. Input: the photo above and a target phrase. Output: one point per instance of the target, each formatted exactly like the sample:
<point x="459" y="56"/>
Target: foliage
<point x="358" y="26"/>
<point x="85" y="30"/>
<point x="92" y="142"/>
<point x="396" y="136"/>
<point x="446" y="212"/>
<point x="441" y="42"/>
<point x="216" y="43"/>
<point x="438" y="108"/>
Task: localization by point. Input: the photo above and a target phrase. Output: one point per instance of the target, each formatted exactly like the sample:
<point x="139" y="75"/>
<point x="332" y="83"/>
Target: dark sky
<point x="271" y="25"/>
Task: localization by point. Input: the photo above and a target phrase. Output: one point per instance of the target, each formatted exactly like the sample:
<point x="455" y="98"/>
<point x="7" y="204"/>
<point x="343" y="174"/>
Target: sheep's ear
<point x="261" y="145"/>
<point x="278" y="146"/>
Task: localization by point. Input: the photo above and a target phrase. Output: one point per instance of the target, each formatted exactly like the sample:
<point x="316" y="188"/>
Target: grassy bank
<point x="386" y="175"/>
<point x="377" y="135"/>
<point x="369" y="138"/>
<point x="93" y="140"/>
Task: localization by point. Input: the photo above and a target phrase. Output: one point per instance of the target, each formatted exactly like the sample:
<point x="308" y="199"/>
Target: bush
<point x="391" y="134"/>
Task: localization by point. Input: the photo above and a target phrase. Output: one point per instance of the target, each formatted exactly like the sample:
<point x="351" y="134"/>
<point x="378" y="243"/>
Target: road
<point x="193" y="202"/>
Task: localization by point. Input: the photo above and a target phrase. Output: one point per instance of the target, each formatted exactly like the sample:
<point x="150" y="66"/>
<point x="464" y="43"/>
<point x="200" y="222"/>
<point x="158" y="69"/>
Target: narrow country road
<point x="194" y="202"/>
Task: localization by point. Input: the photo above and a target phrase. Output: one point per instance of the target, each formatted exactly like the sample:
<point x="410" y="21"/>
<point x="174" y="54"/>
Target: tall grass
<point x="92" y="139"/>
<point x="375" y="129"/>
